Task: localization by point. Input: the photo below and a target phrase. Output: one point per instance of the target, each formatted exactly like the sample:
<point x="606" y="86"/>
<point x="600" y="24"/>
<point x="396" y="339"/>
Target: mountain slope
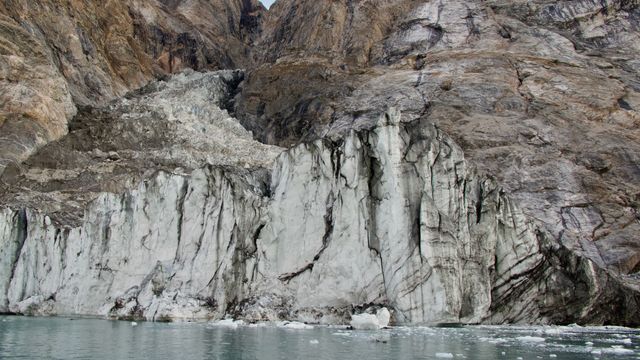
<point x="60" y="54"/>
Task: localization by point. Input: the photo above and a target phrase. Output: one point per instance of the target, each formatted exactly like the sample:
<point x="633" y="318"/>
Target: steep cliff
<point x="457" y="161"/>
<point x="163" y="177"/>
<point x="542" y="95"/>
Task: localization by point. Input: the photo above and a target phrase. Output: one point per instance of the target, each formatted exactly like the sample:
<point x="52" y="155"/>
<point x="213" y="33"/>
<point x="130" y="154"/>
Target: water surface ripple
<point x="65" y="338"/>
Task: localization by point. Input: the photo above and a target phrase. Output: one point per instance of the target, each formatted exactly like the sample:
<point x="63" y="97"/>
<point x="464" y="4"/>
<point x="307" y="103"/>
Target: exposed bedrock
<point x="56" y="55"/>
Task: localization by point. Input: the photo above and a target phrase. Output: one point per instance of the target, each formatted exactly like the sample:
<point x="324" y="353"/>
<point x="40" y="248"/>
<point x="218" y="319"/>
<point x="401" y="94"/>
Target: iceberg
<point x="366" y="321"/>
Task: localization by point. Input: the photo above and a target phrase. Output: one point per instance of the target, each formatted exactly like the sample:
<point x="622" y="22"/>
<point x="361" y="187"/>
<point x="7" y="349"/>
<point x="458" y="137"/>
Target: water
<point x="62" y="338"/>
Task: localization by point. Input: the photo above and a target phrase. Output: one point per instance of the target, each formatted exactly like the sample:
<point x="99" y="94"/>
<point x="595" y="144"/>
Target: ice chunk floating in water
<point x="294" y="325"/>
<point x="366" y="321"/>
<point x="228" y="323"/>
<point x="530" y="338"/>
<point x="383" y="316"/>
<point x="444" y="355"/>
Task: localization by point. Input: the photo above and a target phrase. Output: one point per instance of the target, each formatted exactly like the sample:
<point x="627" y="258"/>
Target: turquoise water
<point x="63" y="338"/>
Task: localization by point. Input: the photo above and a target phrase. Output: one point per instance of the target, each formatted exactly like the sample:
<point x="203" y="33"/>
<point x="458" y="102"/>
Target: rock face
<point x="173" y="126"/>
<point x="60" y="54"/>
<point x="151" y="148"/>
<point x="455" y="162"/>
<point x="541" y="95"/>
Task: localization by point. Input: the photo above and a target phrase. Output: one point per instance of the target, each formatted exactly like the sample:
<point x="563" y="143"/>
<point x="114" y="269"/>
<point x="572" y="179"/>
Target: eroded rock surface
<point x="56" y="55"/>
<point x="176" y="126"/>
<point x="541" y="95"/>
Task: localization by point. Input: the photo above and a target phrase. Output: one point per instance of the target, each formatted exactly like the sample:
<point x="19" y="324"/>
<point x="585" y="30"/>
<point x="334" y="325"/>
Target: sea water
<point x="69" y="338"/>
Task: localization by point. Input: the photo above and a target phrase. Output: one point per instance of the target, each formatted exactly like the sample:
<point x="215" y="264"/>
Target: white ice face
<point x="267" y="3"/>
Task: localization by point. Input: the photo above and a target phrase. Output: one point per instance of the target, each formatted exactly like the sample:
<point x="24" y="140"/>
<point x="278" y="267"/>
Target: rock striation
<point x="167" y="153"/>
<point x="542" y="96"/>
<point x="454" y="162"/>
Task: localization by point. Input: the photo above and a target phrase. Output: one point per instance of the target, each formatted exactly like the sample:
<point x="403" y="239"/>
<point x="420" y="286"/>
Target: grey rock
<point x="540" y="95"/>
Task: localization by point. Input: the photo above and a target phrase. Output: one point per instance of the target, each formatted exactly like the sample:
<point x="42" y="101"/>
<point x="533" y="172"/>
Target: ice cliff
<point x="389" y="216"/>
<point x="452" y="161"/>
